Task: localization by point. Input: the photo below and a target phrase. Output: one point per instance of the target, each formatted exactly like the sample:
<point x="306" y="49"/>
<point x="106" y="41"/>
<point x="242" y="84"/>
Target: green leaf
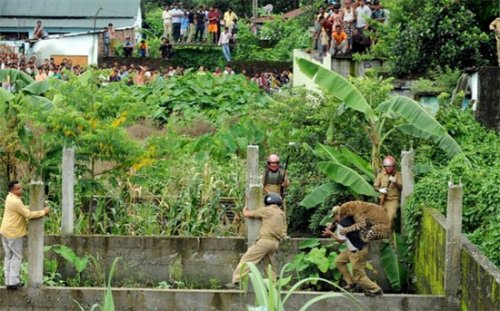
<point x="37" y="88"/>
<point x="5" y="95"/>
<point x="347" y="177"/>
<point x="358" y="162"/>
<point x="317" y="256"/>
<point x="333" y="82"/>
<point x="412" y="112"/>
<point x="445" y="142"/>
<point x="393" y="269"/>
<point x="319" y="195"/>
<point x="309" y="243"/>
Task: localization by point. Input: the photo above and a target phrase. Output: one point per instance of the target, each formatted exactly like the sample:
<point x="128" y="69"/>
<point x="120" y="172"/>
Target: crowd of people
<point x="340" y="29"/>
<point x="269" y="81"/>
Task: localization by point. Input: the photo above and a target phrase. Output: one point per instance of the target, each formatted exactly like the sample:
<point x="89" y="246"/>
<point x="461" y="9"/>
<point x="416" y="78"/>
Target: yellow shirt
<point x="14" y="223"/>
<point x="229" y="19"/>
<point x="273" y="222"/>
<point x="382" y="181"/>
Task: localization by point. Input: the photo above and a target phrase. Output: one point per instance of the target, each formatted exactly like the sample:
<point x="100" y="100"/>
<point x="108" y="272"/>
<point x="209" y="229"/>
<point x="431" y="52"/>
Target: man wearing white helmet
<point x="389" y="184"/>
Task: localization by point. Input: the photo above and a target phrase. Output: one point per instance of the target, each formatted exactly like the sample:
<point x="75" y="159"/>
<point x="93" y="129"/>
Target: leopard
<point x="370" y="219"/>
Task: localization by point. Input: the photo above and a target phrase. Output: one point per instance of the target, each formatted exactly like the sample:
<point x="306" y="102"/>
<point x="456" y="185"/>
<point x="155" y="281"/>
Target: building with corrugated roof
<point x="18" y="17"/>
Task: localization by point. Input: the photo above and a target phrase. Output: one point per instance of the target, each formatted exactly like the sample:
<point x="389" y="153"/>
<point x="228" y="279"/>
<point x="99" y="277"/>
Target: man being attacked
<point x="356" y="253"/>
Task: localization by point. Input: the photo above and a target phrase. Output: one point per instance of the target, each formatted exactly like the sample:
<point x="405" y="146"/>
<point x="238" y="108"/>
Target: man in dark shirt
<point x="166" y="49"/>
<point x="200" y="19"/>
<point x="355" y="253"/>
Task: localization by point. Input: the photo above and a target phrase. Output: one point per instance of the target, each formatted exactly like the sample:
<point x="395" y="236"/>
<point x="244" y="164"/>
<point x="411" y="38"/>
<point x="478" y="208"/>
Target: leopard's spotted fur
<point x="370" y="219"/>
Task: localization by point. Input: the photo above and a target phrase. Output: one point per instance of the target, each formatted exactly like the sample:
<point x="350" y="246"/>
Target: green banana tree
<point x="16" y="138"/>
<point x="343" y="167"/>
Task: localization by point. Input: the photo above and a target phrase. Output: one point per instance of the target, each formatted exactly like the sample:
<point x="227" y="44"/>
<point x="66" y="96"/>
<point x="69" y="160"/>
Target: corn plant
<point x="268" y="293"/>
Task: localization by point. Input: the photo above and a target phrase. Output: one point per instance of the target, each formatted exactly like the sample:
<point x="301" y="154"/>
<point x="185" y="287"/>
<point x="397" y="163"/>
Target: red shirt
<point x="213" y="16"/>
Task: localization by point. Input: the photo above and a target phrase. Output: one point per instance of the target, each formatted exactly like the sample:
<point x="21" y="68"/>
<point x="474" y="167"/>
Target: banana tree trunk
<point x="375" y="139"/>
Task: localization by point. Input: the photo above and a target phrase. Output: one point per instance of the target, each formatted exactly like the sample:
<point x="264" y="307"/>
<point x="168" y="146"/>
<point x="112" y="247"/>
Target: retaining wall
<point x="127" y="299"/>
<point x="480" y="279"/>
<point x="153" y="259"/>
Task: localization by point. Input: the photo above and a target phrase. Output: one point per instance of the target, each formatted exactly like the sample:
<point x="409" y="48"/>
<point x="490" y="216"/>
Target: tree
<point x="343" y="166"/>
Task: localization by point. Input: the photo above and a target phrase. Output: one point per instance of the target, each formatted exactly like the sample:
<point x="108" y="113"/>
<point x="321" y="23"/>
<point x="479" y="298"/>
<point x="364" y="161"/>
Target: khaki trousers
<point x="391" y="207"/>
<point x="262" y="250"/>
<point x="167" y="30"/>
<point x="358" y="262"/>
<point x="13" y="249"/>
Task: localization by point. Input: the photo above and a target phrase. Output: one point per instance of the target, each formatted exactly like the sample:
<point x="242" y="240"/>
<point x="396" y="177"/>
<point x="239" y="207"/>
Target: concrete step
<point x="140" y="299"/>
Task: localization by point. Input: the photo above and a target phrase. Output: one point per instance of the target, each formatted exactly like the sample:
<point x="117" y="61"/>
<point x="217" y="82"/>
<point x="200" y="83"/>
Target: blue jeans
<point x="227" y="52"/>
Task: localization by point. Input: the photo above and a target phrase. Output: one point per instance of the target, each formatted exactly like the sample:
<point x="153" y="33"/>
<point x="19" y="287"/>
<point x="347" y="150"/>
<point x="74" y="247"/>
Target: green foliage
<point x="480" y="182"/>
<point x="268" y="292"/>
<point x="431" y="34"/>
<point x="315" y="261"/>
<point x="78" y="263"/>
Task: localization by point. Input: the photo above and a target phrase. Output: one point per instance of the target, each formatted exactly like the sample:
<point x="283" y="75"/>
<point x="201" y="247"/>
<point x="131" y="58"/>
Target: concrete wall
<point x="480" y="279"/>
<point x="150" y="259"/>
<point x="430" y="254"/>
<point x="70" y="45"/>
<point x="63" y="299"/>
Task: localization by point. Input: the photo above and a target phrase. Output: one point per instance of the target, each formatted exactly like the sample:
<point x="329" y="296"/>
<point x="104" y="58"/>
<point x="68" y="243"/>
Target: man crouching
<point x="272" y="232"/>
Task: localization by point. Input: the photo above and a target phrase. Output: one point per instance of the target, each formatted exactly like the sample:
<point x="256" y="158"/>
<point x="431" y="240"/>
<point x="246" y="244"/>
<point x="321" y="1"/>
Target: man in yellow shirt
<point x="13" y="230"/>
<point x="229" y="19"/>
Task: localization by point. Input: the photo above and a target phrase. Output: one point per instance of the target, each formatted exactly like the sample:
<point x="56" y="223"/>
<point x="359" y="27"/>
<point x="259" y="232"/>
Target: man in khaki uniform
<point x="272" y="232"/>
<point x="13" y="231"/>
<point x="356" y="254"/>
<point x="495" y="26"/>
<point x="389" y="184"/>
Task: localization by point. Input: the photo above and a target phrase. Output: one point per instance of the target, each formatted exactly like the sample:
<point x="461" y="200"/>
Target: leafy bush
<point x="430" y="34"/>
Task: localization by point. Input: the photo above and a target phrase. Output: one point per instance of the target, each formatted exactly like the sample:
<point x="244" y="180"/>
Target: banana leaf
<point x="413" y="113"/>
<point x="395" y="272"/>
<point x="444" y="141"/>
<point x="327" y="153"/>
<point x="358" y="162"/>
<point x="319" y="195"/>
<point x="16" y="77"/>
<point x="348" y="177"/>
<point x="37" y="88"/>
<point x="5" y="95"/>
<point x="336" y="84"/>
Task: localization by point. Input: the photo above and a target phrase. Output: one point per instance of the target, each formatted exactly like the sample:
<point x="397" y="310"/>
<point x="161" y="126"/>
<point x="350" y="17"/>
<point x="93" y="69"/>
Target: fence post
<point x="408" y="181"/>
<point x="35" y="236"/>
<point x="452" y="271"/>
<point x="68" y="182"/>
<point x="253" y="192"/>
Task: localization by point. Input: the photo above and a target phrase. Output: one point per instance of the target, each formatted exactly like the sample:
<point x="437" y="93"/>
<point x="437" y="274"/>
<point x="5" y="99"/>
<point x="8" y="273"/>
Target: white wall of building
<point x="84" y="44"/>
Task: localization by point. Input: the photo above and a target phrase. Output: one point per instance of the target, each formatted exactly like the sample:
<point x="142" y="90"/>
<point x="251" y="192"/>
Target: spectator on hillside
<point x="192" y="26"/>
<point x="184" y="27"/>
<point x="349" y="12"/>
<point x="336" y="17"/>
<point x="212" y="24"/>
<point x="38" y="32"/>
<point x="317" y="33"/>
<point x="200" y="24"/>
<point x="339" y="43"/>
<point x="378" y="13"/>
<point x="143" y="48"/>
<point x="363" y="13"/>
<point x="41" y="75"/>
<point x="324" y="37"/>
<point x="229" y="19"/>
<point x="139" y="76"/>
<point x="115" y="75"/>
<point x="217" y="72"/>
<point x="177" y="14"/>
<point x="128" y="47"/>
<point x="106" y="39"/>
<point x="111" y="32"/>
<point x="229" y="70"/>
<point x="166" y="49"/>
<point x="167" y="23"/>
<point x="220" y="23"/>
<point x="56" y="73"/>
<point x="201" y="71"/>
<point x="224" y="40"/>
<point x="360" y="42"/>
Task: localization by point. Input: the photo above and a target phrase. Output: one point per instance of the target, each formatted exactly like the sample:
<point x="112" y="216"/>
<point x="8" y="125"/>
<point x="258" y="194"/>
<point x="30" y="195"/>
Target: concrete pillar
<point x="452" y="273"/>
<point x="68" y="182"/>
<point x="254" y="190"/>
<point x="408" y="181"/>
<point x="35" y="236"/>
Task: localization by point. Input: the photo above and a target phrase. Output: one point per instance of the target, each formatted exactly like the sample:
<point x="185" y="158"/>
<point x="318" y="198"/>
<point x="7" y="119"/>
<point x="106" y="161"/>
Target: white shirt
<point x="224" y="38"/>
<point x="176" y="15"/>
<point x="363" y="13"/>
<point x="167" y="17"/>
<point x="342" y="237"/>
